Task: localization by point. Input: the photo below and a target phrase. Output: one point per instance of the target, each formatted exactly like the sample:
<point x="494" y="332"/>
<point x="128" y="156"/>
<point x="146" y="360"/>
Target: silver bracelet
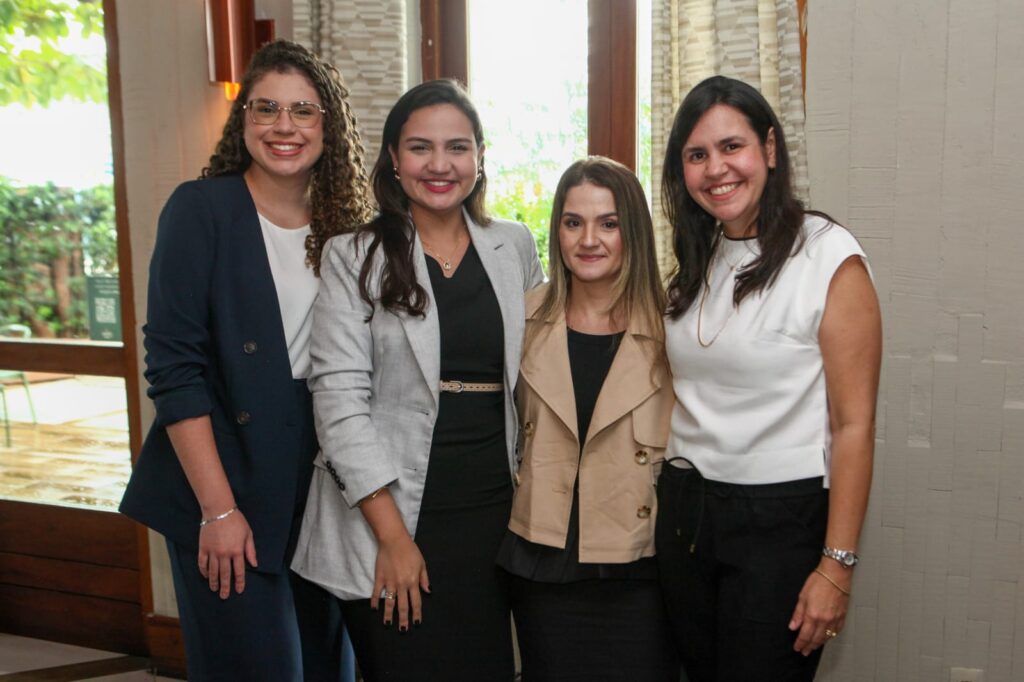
<point x="218" y="517"/>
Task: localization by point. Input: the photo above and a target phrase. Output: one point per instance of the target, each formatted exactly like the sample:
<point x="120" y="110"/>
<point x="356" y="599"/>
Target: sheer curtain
<point x="756" y="41"/>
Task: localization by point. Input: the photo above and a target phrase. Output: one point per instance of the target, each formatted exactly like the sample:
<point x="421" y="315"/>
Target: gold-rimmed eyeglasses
<point x="265" y="112"/>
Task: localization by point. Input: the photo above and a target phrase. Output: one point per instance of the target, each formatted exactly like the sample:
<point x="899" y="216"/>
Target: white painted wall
<point x="914" y="132"/>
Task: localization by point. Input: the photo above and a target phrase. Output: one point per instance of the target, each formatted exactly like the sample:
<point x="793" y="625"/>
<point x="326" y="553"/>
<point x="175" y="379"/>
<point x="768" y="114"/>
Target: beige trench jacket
<point x="624" y="451"/>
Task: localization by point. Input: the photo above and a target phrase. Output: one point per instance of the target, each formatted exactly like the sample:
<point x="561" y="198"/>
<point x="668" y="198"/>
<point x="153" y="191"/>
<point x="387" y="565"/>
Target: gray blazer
<point x="375" y="394"/>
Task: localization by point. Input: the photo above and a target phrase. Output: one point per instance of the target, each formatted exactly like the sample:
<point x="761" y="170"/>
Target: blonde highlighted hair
<point x="638" y="297"/>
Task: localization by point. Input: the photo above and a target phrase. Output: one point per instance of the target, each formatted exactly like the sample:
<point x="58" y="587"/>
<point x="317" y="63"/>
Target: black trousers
<point x="732" y="560"/>
<point x="593" y="631"/>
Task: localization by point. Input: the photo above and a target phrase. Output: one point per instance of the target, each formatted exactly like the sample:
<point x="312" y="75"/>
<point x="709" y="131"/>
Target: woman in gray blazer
<point x="416" y="341"/>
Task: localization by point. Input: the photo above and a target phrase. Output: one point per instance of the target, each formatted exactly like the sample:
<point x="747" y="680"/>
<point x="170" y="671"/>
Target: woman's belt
<point x="470" y="387"/>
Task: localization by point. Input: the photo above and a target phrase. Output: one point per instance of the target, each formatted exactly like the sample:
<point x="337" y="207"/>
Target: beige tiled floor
<point x="77" y="453"/>
<point x="22" y="655"/>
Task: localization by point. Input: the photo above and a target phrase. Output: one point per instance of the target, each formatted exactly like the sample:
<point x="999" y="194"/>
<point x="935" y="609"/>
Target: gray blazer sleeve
<point x="527" y="248"/>
<point x="341" y="378"/>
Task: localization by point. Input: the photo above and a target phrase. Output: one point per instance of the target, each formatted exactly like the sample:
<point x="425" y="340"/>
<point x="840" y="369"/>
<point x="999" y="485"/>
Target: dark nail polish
<point x="403" y="629"/>
<point x="417" y="623"/>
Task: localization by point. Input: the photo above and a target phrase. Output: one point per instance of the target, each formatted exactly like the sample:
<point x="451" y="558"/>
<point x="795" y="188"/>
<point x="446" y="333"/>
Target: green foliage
<point x="50" y="238"/>
<point x="525" y="192"/>
<point x="37" y="71"/>
<point x="523" y="197"/>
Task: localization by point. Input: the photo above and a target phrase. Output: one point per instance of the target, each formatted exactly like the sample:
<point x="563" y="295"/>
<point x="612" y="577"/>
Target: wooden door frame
<point x="54" y="541"/>
<point x="611" y="67"/>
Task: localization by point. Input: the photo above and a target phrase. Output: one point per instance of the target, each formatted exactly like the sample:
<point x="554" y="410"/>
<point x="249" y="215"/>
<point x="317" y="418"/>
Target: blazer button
<point x="243" y="417"/>
<point x="528" y="429"/>
<point x="643" y="512"/>
<point x="249" y="347"/>
<point x="640" y="457"/>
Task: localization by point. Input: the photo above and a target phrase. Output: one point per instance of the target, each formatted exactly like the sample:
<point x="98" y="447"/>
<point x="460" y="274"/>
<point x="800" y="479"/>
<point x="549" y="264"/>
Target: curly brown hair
<point x="339" y="189"/>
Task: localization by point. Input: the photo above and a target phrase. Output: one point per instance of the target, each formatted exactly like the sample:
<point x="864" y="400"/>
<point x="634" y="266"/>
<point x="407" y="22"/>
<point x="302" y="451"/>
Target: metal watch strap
<point x="845" y="557"/>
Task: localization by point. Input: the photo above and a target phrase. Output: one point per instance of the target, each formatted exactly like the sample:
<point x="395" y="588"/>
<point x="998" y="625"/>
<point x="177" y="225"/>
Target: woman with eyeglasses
<point x="416" y="341"/>
<point x="224" y="471"/>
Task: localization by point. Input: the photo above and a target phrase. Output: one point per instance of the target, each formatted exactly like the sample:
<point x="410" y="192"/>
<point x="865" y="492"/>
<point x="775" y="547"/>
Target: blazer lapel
<point x="546" y="369"/>
<point x="500" y="263"/>
<point x="629" y="383"/>
<point x="424" y="333"/>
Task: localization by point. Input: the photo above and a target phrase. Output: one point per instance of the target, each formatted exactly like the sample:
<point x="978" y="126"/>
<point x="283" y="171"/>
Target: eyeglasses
<point x="265" y="112"/>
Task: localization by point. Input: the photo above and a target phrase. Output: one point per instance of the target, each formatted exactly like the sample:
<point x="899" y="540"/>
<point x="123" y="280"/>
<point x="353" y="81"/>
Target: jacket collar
<point x="545" y="367"/>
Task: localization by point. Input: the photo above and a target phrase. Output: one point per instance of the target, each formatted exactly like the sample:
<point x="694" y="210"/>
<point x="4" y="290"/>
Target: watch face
<point x="848" y="559"/>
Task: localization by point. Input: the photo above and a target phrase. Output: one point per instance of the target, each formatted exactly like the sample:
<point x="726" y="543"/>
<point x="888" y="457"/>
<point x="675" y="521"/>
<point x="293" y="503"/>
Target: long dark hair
<point x="339" y="192"/>
<point x="392" y="230"/>
<point x="638" y="293"/>
<point x="694" y="230"/>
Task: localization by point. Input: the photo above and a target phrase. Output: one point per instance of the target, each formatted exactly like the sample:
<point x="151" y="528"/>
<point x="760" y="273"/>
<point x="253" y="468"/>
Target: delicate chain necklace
<point x="717" y="253"/>
<point x="446" y="263"/>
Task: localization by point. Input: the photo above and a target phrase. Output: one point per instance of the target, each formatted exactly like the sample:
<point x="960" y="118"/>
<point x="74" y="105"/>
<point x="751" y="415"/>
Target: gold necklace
<point x="707" y="289"/>
<point x="445" y="263"/>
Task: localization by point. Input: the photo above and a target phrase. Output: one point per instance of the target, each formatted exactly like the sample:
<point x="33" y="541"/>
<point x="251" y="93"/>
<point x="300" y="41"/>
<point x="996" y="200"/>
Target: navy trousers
<point x="282" y="628"/>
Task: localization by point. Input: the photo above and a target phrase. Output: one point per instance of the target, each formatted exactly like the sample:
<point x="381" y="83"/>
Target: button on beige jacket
<point x="624" y="451"/>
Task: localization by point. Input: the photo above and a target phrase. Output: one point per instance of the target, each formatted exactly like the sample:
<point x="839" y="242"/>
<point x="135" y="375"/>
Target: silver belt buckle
<point x="454" y="387"/>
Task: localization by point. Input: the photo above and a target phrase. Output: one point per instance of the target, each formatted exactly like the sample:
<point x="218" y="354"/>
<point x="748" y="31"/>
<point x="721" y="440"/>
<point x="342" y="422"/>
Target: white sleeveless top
<point x="751" y="408"/>
<point x="296" y="289"/>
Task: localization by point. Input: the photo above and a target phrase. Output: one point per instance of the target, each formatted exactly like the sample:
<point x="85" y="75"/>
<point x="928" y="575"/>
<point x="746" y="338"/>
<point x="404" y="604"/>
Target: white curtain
<point x="366" y="41"/>
<point x="756" y="41"/>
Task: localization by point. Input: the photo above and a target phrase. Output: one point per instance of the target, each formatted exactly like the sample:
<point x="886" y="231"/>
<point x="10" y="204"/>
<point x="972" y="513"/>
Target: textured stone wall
<point x="914" y="137"/>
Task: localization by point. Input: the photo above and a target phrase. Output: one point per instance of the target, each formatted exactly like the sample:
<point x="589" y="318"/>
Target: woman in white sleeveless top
<point x="774" y="339"/>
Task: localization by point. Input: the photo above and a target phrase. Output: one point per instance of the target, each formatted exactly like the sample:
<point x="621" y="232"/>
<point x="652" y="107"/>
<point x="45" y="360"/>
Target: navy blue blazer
<point x="215" y="346"/>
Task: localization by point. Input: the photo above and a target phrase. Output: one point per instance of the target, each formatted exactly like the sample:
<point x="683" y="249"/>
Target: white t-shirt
<point x="296" y="289"/>
<point x="751" y="407"/>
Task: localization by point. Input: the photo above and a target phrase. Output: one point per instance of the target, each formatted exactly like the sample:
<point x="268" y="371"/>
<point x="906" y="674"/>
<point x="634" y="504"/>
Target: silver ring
<point x="831" y="634"/>
<point x="387" y="594"/>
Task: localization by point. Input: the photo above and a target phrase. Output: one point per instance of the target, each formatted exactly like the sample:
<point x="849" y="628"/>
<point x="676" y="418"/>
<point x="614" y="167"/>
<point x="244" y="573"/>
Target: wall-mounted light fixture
<point x="232" y="35"/>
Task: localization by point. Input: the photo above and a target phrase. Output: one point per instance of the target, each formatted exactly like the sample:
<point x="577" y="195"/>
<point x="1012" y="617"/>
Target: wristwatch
<point x="845" y="557"/>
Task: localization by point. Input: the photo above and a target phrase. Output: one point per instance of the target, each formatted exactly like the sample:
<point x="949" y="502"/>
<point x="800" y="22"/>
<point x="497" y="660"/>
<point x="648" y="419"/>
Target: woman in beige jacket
<point x="594" y="398"/>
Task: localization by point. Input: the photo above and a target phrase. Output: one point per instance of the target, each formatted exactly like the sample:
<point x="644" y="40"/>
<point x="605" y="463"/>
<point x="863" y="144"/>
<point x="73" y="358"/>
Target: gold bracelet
<point x="826" y="576"/>
<point x="373" y="495"/>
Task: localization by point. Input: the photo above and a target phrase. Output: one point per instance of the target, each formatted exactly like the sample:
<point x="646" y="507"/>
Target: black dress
<point x="467" y="499"/>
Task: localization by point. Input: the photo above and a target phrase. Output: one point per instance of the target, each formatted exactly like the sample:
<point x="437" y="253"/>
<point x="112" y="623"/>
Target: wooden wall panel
<point x="72" y="618"/>
<point x="40" y="530"/>
<point x="76" y="577"/>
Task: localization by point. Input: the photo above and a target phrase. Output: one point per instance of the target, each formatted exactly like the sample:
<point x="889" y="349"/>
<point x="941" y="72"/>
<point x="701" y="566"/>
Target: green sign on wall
<point x="104" y="308"/>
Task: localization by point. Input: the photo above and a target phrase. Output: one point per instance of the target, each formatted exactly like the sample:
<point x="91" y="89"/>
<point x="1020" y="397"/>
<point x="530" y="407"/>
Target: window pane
<point x="533" y="102"/>
<point x="58" y="240"/>
<point x="64" y="439"/>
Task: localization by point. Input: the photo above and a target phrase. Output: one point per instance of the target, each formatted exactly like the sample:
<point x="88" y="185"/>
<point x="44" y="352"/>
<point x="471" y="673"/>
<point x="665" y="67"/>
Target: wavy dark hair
<point x="695" y="231"/>
<point x="637" y="292"/>
<point x="339" y="190"/>
<point x="392" y="229"/>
